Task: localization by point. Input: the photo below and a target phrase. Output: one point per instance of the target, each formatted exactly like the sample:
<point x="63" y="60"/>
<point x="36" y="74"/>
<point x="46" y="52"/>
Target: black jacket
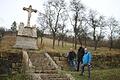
<point x="80" y="54"/>
<point x="71" y="55"/>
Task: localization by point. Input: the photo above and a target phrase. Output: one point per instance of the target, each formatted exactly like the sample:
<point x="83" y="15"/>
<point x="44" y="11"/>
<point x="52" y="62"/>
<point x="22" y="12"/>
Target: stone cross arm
<point x="27" y="9"/>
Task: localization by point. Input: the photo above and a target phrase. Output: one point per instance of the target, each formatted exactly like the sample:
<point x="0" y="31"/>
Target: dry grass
<point x="9" y="41"/>
<point x="47" y="45"/>
<point x="105" y="50"/>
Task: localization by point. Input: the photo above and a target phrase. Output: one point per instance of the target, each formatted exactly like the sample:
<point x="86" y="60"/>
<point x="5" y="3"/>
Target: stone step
<point x="53" y="77"/>
<point x="47" y="71"/>
<point x="58" y="79"/>
<point x="44" y="68"/>
<point x="41" y="62"/>
<point x="40" y="76"/>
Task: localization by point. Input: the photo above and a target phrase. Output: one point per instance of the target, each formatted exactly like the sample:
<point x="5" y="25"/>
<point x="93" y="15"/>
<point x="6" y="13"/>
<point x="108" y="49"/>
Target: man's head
<point x="71" y="49"/>
<point x="85" y="50"/>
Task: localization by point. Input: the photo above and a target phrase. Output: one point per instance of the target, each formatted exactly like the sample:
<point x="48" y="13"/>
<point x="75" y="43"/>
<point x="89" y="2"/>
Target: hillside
<point x="103" y="59"/>
<point x="8" y="41"/>
<point x="47" y="44"/>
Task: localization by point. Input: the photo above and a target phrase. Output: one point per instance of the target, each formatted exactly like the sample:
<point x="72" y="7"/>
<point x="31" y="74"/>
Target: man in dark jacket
<point x="80" y="54"/>
<point x="72" y="58"/>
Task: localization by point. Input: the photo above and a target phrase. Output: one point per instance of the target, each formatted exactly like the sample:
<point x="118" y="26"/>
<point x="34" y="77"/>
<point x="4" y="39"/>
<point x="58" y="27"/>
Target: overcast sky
<point x="11" y="10"/>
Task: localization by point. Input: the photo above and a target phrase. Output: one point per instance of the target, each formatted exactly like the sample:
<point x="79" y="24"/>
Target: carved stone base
<point x="26" y="42"/>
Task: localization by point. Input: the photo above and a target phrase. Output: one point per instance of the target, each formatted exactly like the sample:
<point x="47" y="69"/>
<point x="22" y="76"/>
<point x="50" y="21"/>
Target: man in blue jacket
<point x="86" y="61"/>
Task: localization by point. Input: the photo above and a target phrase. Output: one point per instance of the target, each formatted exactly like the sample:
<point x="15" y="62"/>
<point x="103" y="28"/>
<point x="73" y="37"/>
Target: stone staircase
<point x="45" y="69"/>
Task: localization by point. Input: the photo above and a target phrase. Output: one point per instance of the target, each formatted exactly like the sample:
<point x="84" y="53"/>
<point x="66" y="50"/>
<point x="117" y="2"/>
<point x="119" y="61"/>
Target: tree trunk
<point x="111" y="43"/>
<point x="80" y="41"/>
<point x="58" y="41"/>
<point x="54" y="40"/>
<point x="85" y="42"/>
<point x="95" y="47"/>
<point x="62" y="42"/>
<point x="41" y="39"/>
<point x="75" y="29"/>
<point x="75" y="41"/>
<point x="94" y="39"/>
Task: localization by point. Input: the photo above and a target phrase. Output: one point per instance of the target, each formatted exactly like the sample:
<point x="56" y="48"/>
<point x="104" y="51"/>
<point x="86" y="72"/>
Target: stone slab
<point x="26" y="42"/>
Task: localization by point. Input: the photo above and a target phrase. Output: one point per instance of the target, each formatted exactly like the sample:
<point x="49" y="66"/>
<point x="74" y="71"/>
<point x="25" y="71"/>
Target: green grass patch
<point x="106" y="74"/>
<point x="17" y="76"/>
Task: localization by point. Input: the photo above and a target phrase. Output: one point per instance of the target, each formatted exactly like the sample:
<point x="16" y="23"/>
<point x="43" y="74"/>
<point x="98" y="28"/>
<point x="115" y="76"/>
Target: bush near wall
<point x="106" y="61"/>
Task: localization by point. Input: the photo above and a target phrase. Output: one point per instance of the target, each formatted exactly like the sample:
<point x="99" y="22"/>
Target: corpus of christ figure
<point x="30" y="10"/>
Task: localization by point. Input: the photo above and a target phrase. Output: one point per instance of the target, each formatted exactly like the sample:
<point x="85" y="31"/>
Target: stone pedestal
<point x="26" y="37"/>
<point x="26" y="42"/>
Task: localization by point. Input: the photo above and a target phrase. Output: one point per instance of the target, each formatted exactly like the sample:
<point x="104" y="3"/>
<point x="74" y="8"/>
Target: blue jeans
<point x="72" y="64"/>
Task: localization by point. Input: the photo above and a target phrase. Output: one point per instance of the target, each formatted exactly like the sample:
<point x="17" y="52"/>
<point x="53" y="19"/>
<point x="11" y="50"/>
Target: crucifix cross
<point x="29" y="10"/>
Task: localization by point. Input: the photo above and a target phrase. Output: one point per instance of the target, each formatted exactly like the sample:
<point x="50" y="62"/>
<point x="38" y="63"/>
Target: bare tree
<point x="112" y="24"/>
<point x="83" y="34"/>
<point x="93" y="22"/>
<point x="101" y="32"/>
<point x="62" y="27"/>
<point x="77" y="8"/>
<point x="53" y="10"/>
<point x="40" y="33"/>
<point x="43" y="25"/>
<point x="63" y="32"/>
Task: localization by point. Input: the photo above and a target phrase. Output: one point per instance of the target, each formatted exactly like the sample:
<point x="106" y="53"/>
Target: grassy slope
<point x="109" y="74"/>
<point x="7" y="42"/>
<point x="47" y="44"/>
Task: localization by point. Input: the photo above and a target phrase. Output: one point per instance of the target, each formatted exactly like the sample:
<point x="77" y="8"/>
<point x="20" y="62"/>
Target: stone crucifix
<point x="30" y="10"/>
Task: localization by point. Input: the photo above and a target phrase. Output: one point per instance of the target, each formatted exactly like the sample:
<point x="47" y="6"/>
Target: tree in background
<point x="83" y="34"/>
<point x="94" y="23"/>
<point x="40" y="33"/>
<point x="43" y="25"/>
<point x="2" y="31"/>
<point x="86" y="26"/>
<point x="62" y="27"/>
<point x="112" y="24"/>
<point x="53" y="10"/>
<point x="77" y="8"/>
<point x="14" y="26"/>
<point x="101" y="32"/>
<point x="61" y="34"/>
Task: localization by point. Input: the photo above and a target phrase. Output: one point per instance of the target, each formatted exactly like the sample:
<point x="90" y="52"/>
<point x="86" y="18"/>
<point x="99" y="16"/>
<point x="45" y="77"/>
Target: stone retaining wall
<point x="10" y="62"/>
<point x="98" y="61"/>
